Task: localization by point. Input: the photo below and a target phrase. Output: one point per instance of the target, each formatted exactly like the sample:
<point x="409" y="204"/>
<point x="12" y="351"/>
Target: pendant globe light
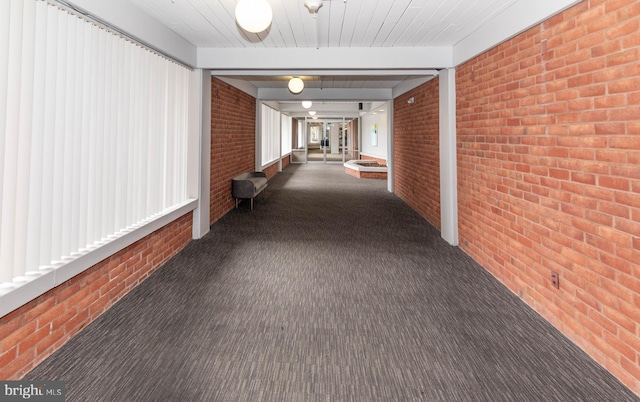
<point x="254" y="15"/>
<point x="306" y="104"/>
<point x="296" y="85"/>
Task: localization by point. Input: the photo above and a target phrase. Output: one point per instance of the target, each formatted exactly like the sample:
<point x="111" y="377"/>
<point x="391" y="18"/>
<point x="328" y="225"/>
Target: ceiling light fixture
<point x="313" y="5"/>
<point x="296" y="85"/>
<point x="254" y="15"/>
<point x="312" y="113"/>
<point x="306" y="104"/>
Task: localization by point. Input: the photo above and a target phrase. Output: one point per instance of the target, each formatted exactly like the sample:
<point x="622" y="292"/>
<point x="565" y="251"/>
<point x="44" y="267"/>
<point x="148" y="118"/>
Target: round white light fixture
<point x="296" y="85"/>
<point x="254" y="15"/>
<point x="315" y="117"/>
<point x="312" y="113"/>
<point x="306" y="104"/>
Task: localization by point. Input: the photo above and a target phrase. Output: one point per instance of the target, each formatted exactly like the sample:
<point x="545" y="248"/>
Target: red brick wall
<point x="271" y="170"/>
<point x="233" y="138"/>
<point x="31" y="333"/>
<point x="286" y="161"/>
<point x="416" y="150"/>
<point x="366" y="175"/>
<point x="549" y="173"/>
<point x="372" y="158"/>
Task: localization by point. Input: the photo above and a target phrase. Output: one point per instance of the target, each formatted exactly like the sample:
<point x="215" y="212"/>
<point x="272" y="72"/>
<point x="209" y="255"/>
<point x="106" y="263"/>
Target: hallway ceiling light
<point x="306" y="104"/>
<point x="254" y="15"/>
<point x="313" y="5"/>
<point x="296" y="85"/>
<point x="312" y="113"/>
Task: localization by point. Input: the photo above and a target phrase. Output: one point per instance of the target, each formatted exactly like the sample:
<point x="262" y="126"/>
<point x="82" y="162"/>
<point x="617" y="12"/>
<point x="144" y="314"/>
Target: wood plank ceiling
<point x="341" y="23"/>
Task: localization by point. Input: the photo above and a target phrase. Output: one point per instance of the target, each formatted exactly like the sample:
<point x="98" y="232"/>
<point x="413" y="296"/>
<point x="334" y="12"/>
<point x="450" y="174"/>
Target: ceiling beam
<point x="409" y="84"/>
<point x="140" y="26"/>
<point x="327" y="94"/>
<point x="290" y="72"/>
<point x="325" y="115"/>
<point x="324" y="107"/>
<point x="325" y="59"/>
<point x="241" y="84"/>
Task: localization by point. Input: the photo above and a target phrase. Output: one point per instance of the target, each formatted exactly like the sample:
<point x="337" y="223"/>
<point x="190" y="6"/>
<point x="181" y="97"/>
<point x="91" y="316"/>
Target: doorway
<point x="331" y="141"/>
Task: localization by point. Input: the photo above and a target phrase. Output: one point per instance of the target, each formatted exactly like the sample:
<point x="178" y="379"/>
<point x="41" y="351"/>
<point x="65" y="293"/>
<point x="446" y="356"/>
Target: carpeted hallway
<point x="332" y="289"/>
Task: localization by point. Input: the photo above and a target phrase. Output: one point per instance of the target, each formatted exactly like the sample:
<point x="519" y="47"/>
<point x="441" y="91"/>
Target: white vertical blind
<point x="10" y="142"/>
<point x="270" y="134"/>
<point x="5" y="15"/>
<point x="286" y="135"/>
<point x="93" y="137"/>
<point x="24" y="133"/>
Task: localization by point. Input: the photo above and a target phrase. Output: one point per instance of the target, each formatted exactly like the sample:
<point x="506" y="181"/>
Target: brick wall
<point x="31" y="333"/>
<point x="233" y="136"/>
<point x="416" y="150"/>
<point x="286" y="161"/>
<point x="381" y="161"/>
<point x="366" y="175"/>
<point x="271" y="170"/>
<point x="549" y="173"/>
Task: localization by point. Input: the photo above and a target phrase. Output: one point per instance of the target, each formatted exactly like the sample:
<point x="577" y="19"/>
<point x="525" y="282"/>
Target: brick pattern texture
<point x="31" y="333"/>
<point x="271" y="170"/>
<point x="549" y="173"/>
<point x="416" y="150"/>
<point x="286" y="161"/>
<point x="233" y="137"/>
<point x="381" y="161"/>
<point x="366" y="175"/>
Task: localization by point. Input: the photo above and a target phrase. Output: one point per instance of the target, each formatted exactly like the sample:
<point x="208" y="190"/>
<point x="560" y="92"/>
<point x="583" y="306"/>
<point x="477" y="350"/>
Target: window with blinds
<point x="286" y="135"/>
<point x="270" y="135"/>
<point x="93" y="138"/>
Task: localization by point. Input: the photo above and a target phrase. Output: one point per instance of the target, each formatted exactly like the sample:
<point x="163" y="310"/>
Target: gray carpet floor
<point x="332" y="289"/>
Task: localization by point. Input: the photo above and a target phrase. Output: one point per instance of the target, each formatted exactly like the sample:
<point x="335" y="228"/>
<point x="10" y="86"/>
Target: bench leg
<point x="236" y="203"/>
<point x="252" y="204"/>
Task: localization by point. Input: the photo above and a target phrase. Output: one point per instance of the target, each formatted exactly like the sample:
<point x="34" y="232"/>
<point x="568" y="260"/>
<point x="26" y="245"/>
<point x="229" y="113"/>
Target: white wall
<point x="367" y="148"/>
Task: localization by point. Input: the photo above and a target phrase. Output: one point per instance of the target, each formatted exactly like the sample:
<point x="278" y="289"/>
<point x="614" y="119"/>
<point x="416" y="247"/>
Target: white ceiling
<point x="341" y="23"/>
<point x="353" y="43"/>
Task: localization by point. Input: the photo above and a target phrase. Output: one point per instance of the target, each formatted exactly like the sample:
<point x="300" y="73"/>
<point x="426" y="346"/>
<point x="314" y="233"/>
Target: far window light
<point x="270" y="135"/>
<point x="286" y="129"/>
